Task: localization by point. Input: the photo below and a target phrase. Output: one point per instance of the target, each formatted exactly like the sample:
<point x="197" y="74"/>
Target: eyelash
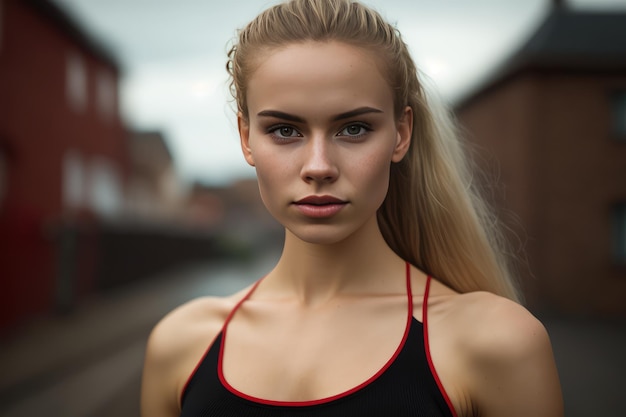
<point x="366" y="127"/>
<point x="272" y="129"/>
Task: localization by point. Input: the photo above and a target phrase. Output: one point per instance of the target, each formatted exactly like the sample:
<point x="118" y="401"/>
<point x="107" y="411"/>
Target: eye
<point x="284" y="132"/>
<point x="354" y="130"/>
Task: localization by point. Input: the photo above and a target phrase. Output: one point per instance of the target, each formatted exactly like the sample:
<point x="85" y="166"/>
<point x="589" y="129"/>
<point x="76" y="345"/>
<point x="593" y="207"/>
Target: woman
<point x="390" y="297"/>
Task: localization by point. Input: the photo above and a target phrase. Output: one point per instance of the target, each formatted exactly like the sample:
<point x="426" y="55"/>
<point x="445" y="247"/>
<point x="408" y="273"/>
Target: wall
<point x="48" y="112"/>
<point x="546" y="136"/>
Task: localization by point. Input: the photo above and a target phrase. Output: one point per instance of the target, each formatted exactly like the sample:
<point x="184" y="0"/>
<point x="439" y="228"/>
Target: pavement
<point x="591" y="358"/>
<point x="88" y="363"/>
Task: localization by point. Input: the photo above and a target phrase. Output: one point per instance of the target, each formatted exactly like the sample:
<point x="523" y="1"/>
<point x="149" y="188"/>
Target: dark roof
<point x="154" y="139"/>
<point x="569" y="38"/>
<point x="567" y="41"/>
<point x="67" y="24"/>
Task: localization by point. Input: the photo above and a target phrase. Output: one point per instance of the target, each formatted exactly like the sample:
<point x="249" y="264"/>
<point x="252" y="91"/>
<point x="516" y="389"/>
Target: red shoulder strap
<point x="431" y="365"/>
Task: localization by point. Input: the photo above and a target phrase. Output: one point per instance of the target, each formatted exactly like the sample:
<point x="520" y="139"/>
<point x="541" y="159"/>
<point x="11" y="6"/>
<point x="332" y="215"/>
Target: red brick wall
<point x="560" y="172"/>
<point x="38" y="126"/>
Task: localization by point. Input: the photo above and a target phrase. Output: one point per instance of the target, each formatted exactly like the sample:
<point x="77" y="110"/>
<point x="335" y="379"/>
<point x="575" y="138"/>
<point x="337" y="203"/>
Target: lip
<point x="320" y="200"/>
<point x="320" y="207"/>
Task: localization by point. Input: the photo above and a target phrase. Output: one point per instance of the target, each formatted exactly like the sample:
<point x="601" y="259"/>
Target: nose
<point x="319" y="162"/>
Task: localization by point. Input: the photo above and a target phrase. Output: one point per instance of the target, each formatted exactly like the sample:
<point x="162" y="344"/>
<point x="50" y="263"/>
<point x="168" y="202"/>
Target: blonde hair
<point x="432" y="216"/>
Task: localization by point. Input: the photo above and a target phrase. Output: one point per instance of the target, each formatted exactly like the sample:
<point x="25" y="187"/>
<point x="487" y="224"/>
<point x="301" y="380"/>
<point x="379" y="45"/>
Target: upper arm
<point x="158" y="382"/>
<point x="174" y="347"/>
<point x="513" y="368"/>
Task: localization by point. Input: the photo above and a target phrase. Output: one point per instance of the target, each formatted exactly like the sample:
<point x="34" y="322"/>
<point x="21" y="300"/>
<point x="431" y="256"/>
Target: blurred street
<point x="88" y="363"/>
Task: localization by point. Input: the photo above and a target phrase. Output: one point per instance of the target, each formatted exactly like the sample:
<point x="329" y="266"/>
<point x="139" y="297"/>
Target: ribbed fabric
<point x="406" y="386"/>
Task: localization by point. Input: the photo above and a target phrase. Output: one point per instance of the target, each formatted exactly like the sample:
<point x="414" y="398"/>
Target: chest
<point x="403" y="387"/>
<point x="299" y="357"/>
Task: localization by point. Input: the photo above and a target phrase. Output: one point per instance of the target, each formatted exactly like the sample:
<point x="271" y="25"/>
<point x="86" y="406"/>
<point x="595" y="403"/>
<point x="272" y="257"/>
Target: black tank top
<point x="407" y="385"/>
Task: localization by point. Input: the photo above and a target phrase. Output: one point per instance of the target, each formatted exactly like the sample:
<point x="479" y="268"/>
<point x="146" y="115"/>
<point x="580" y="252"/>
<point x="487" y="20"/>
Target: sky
<point x="173" y="55"/>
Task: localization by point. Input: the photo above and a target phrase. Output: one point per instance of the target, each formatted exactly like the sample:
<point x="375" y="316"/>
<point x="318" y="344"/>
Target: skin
<point x="333" y="310"/>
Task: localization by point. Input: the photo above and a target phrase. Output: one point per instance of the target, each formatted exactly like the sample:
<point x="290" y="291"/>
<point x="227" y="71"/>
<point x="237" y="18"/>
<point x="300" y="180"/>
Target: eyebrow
<point x="292" y="118"/>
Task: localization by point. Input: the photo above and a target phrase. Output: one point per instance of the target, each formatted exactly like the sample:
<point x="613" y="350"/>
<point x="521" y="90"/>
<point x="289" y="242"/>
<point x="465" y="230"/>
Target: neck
<point x="315" y="273"/>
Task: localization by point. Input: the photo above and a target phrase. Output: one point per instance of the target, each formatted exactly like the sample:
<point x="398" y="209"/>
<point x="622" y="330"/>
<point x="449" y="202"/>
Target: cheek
<point x="272" y="175"/>
<point x="373" y="175"/>
<point x="267" y="182"/>
<point x="380" y="181"/>
<point x="267" y="189"/>
<point x="272" y="166"/>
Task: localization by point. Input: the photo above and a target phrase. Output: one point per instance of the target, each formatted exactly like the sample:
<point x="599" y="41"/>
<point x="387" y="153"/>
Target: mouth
<point x="320" y="207"/>
<point x="323" y="200"/>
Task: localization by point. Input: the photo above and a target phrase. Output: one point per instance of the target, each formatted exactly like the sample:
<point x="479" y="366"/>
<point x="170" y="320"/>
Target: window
<point x="618" y="109"/>
<point x="76" y="82"/>
<point x="92" y="184"/>
<point x="619" y="233"/>
<point x="105" y="191"/>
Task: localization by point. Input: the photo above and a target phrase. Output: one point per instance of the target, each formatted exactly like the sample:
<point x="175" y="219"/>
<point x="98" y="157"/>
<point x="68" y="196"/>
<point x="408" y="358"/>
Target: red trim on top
<point x="431" y="365"/>
<point x="206" y="352"/>
<point x="326" y="399"/>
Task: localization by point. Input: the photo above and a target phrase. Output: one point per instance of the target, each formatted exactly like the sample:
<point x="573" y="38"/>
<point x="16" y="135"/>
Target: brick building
<point x="62" y="147"/>
<point x="154" y="190"/>
<point x="550" y="124"/>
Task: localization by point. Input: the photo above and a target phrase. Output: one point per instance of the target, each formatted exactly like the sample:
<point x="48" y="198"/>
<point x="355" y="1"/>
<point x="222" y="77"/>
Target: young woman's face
<point x="322" y="135"/>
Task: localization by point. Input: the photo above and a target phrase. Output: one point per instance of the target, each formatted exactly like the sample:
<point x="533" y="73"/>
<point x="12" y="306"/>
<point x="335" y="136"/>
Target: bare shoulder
<point x="175" y="346"/>
<point x="497" y="328"/>
<point x="179" y="329"/>
<point x="506" y="356"/>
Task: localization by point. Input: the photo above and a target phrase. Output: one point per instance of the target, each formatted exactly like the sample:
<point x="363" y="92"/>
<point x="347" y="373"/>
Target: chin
<point x="321" y="234"/>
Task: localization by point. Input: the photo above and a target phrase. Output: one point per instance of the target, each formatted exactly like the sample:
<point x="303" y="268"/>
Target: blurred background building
<point x="154" y="189"/>
<point x="85" y="202"/>
<point x="62" y="144"/>
<point x="550" y="125"/>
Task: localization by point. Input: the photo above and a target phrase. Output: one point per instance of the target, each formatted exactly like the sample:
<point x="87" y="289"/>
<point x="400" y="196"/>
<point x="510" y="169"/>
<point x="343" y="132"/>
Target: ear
<point x="404" y="127"/>
<point x="244" y="136"/>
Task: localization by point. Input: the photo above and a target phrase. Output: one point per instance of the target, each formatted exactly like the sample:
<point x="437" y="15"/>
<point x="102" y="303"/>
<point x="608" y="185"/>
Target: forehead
<point x="319" y="75"/>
